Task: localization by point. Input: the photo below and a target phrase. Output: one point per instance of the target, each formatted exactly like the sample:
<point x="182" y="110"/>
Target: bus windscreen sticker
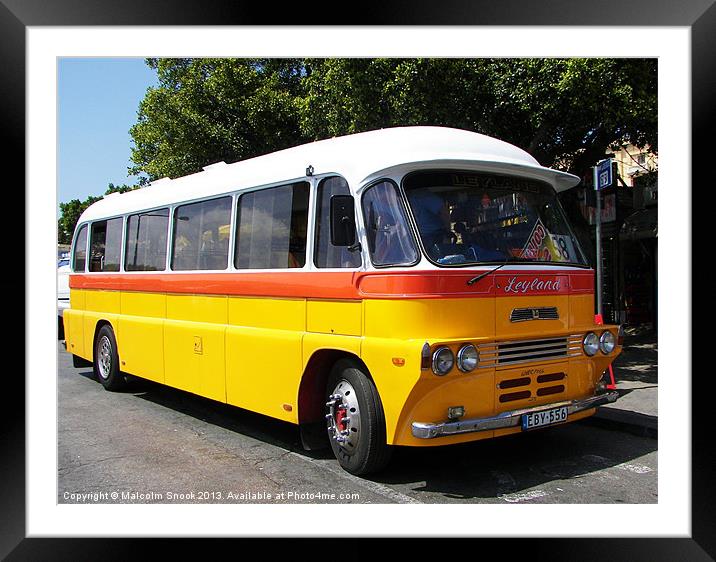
<point x="543" y="246"/>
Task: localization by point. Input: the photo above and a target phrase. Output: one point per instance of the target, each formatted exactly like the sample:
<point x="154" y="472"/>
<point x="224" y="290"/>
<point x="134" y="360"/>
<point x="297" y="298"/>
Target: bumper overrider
<point x="505" y="419"/>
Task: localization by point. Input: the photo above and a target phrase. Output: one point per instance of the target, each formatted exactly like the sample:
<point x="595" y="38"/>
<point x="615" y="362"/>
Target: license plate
<point x="543" y="418"/>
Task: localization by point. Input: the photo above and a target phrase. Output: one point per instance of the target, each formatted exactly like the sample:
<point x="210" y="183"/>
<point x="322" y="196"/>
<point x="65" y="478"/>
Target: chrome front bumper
<point x="505" y="419"/>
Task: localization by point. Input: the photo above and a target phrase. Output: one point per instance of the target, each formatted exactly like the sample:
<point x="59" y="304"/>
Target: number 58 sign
<point x="604" y="174"/>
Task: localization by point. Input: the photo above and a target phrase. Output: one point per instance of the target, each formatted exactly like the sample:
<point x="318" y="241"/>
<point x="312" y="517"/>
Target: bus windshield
<point x="465" y="218"/>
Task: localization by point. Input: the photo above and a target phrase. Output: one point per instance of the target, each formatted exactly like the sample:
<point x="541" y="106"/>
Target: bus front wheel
<point x="106" y="360"/>
<point x="355" y="420"/>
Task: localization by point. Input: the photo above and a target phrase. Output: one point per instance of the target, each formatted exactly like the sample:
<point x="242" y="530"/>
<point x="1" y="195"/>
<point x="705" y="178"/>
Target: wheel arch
<point x="311" y="391"/>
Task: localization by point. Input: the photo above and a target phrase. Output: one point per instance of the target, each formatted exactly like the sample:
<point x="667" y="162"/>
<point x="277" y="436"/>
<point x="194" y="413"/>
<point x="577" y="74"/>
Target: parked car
<point x="63" y="294"/>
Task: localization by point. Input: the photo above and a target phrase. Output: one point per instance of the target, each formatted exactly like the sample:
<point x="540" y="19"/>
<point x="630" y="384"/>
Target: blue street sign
<point x="604" y="174"/>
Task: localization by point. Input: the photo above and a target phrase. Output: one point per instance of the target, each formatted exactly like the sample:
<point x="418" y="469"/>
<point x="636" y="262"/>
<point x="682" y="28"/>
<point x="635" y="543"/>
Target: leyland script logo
<point x="517" y="285"/>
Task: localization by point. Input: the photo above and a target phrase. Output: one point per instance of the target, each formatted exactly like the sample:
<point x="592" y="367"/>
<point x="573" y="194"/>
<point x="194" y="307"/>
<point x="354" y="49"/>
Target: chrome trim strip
<point x="511" y="418"/>
<point x="505" y="353"/>
<point x="560" y="346"/>
<point x="523" y="361"/>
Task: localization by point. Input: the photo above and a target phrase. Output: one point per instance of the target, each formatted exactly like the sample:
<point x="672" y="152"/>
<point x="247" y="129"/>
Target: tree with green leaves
<point x="208" y="110"/>
<point x="565" y="112"/>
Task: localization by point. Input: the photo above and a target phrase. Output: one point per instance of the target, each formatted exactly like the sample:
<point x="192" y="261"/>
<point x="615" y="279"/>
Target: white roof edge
<point x="356" y="157"/>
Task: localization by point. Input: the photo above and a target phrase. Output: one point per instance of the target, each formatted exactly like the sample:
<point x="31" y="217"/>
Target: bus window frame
<point x="126" y="238"/>
<point x="74" y="246"/>
<point x="172" y="221"/>
<point x="364" y="228"/>
<point x="426" y="255"/>
<point x="360" y="230"/>
<point x="91" y="223"/>
<point x="312" y="190"/>
<point x="312" y="181"/>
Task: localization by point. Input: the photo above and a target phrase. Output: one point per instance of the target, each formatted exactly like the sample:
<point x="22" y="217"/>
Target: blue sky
<point x="98" y="99"/>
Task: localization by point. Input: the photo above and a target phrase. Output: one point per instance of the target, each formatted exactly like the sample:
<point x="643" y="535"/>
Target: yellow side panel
<point x="198" y="308"/>
<point x="153" y="305"/>
<point x="315" y="342"/>
<point x="102" y="301"/>
<point x="394" y="383"/>
<point x="99" y="305"/>
<point x="141" y="334"/>
<point x="89" y="321"/>
<point x="77" y="299"/>
<point x="334" y="317"/>
<point x="430" y="319"/>
<point x="263" y="354"/>
<point x="263" y="370"/>
<point x="194" y="357"/>
<point x="141" y="345"/>
<point x="276" y="314"/>
<point x="74" y="331"/>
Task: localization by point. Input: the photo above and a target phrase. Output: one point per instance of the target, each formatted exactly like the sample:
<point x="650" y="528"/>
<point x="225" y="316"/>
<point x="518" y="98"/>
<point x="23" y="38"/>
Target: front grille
<point x="542" y="385"/>
<point x="502" y="353"/>
<point x="542" y="313"/>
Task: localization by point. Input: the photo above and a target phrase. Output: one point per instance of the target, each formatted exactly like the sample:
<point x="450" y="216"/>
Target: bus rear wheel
<point x="106" y="360"/>
<point x="355" y="420"/>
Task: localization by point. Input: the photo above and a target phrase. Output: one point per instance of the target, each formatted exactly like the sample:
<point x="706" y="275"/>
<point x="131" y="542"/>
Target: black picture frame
<point x="17" y="15"/>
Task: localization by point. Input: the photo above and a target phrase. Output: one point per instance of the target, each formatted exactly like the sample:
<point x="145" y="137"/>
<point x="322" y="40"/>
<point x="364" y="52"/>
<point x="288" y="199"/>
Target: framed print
<point x="679" y="525"/>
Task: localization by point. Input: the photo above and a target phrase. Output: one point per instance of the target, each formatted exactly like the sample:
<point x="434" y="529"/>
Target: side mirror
<point x="343" y="224"/>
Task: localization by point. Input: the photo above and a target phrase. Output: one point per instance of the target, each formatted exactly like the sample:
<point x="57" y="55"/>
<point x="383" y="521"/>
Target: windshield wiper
<point x="486" y="273"/>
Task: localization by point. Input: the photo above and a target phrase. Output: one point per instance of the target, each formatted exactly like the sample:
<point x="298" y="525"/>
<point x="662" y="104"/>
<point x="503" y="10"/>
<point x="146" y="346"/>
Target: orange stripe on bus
<point x="344" y="285"/>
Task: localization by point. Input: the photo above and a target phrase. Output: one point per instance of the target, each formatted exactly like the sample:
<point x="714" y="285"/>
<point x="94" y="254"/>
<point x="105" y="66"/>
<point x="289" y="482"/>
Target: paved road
<point x="153" y="444"/>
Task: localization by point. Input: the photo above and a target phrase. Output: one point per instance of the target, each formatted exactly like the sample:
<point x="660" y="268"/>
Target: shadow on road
<point x="638" y="361"/>
<point x="486" y="469"/>
<point x="263" y="428"/>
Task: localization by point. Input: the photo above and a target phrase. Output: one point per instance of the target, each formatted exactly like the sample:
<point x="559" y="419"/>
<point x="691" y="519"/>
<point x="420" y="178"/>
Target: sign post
<point x="602" y="179"/>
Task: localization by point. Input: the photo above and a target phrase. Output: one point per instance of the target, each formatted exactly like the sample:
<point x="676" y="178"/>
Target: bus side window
<point x="196" y="234"/>
<point x="325" y="253"/>
<point x="390" y="241"/>
<point x="106" y="245"/>
<point x="271" y="228"/>
<point x="146" y="247"/>
<point x="78" y="264"/>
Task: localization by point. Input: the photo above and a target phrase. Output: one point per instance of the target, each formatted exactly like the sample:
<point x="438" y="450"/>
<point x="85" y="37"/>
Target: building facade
<point x="629" y="235"/>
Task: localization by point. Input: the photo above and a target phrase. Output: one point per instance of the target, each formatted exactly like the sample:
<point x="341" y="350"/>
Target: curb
<point x="622" y="420"/>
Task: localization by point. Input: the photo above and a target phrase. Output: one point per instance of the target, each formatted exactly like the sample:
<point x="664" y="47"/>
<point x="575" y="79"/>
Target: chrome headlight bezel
<point x="442" y="351"/>
<point x="462" y="358"/>
<point x="607" y="342"/>
<point x="590" y="344"/>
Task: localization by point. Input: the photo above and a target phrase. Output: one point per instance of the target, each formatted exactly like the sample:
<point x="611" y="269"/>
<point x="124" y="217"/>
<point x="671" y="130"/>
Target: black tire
<point x="350" y="394"/>
<point x="106" y="360"/>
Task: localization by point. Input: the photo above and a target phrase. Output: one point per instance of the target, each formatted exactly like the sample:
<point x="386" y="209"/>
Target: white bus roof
<point x="358" y="158"/>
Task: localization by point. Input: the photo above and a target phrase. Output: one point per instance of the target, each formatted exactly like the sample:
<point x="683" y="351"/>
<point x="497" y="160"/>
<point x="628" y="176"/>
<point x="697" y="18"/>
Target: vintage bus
<point x="411" y="286"/>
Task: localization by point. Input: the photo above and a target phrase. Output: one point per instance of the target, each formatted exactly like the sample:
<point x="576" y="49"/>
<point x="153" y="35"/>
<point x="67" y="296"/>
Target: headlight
<point x="590" y="343"/>
<point x="467" y="358"/>
<point x="606" y="342"/>
<point x="443" y="361"/>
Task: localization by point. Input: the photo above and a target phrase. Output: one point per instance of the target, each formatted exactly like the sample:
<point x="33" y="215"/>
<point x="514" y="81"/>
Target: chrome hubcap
<point x="343" y="418"/>
<point x="104" y="357"/>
